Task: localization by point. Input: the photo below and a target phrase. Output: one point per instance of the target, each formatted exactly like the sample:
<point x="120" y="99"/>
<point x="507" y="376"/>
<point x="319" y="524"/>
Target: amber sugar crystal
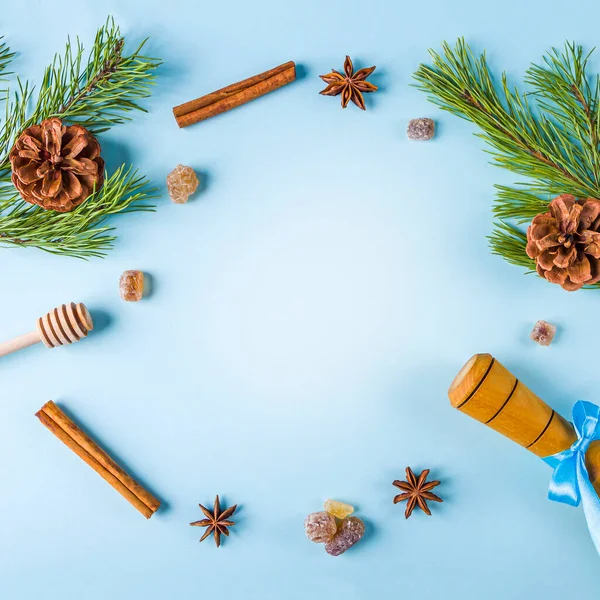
<point x="320" y="527"/>
<point x="350" y="531"/>
<point x="420" y="129"/>
<point x="131" y="286"/>
<point x="543" y="333"/>
<point x="340" y="510"/>
<point x="182" y="182"/>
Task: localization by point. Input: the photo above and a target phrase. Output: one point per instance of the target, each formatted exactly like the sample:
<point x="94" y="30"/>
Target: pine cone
<point x="56" y="166"/>
<point x="565" y="242"/>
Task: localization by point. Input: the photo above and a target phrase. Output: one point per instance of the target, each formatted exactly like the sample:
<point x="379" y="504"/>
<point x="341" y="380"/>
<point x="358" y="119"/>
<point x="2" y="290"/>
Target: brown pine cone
<point x="565" y="242"/>
<point x="56" y="166"/>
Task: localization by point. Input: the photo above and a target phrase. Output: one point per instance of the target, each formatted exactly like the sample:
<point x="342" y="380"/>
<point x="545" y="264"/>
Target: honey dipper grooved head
<point x="64" y="325"/>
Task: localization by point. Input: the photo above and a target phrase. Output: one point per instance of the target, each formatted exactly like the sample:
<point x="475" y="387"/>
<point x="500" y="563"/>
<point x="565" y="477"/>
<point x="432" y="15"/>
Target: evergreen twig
<point x="97" y="92"/>
<point x="79" y="232"/>
<point x="553" y="142"/>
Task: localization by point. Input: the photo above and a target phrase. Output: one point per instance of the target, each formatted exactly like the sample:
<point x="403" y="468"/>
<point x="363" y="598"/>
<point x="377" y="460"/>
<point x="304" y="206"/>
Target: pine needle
<point x="98" y="92"/>
<point x="552" y="142"/>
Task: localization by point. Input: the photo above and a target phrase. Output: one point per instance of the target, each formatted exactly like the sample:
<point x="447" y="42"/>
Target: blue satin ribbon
<point x="570" y="483"/>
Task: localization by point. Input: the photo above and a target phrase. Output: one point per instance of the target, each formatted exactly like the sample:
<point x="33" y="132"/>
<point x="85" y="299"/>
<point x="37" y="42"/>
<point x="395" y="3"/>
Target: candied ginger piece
<point x="338" y="509"/>
<point x="350" y="531"/>
<point x="543" y="333"/>
<point x="182" y="182"/>
<point x="131" y="286"/>
<point x="320" y="527"/>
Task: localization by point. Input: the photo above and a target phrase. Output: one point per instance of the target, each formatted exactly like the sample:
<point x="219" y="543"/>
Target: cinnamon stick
<point x="234" y="95"/>
<point x="72" y="436"/>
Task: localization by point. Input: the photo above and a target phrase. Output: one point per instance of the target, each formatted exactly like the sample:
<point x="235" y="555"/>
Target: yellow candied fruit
<point x="340" y="510"/>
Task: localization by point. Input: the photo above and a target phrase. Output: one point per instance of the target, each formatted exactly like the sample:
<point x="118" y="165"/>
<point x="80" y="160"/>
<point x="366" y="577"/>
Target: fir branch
<point x="97" y="92"/>
<point x="553" y="144"/>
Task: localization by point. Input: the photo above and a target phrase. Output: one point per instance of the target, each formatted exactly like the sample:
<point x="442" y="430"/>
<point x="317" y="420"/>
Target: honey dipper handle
<point x="18" y="343"/>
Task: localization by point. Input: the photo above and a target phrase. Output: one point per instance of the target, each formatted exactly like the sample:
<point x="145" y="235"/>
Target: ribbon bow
<point x="570" y="483"/>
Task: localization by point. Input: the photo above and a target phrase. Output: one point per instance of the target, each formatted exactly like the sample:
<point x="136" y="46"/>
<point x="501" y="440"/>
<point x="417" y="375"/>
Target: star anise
<point x="349" y="84"/>
<point x="216" y="521"/>
<point x="416" y="491"/>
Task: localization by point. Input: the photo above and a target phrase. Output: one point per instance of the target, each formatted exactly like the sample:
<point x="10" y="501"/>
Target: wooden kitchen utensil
<point x="489" y="393"/>
<point x="63" y="325"/>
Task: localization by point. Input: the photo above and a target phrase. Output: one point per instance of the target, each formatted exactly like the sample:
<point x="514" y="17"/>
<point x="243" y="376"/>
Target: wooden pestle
<point x="486" y="391"/>
<point x="63" y="325"/>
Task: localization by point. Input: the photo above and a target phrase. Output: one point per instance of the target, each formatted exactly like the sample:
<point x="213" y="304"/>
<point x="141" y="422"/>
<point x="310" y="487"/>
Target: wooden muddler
<point x="234" y="95"/>
<point x="486" y="391"/>
<point x="72" y="436"/>
<point x="63" y="325"/>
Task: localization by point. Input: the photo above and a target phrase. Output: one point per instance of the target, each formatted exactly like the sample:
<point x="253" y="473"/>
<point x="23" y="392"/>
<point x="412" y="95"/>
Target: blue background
<point x="310" y="307"/>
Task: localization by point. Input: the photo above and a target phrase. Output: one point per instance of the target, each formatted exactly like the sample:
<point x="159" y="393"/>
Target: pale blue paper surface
<point x="311" y="306"/>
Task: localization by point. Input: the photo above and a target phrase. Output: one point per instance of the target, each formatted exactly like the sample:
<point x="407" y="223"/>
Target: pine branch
<point x="509" y="242"/>
<point x="563" y="90"/>
<point x="97" y="92"/>
<point x="6" y="57"/>
<point x="553" y="144"/>
<point x="462" y="84"/>
<point x="81" y="233"/>
<point x="520" y="204"/>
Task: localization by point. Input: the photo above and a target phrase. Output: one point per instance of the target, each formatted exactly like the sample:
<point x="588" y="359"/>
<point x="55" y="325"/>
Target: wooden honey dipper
<point x="63" y="325"/>
<point x="486" y="391"/>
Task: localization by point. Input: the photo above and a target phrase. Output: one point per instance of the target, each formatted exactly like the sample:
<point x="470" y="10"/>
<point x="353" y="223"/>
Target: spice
<point x="216" y="522"/>
<point x="70" y="434"/>
<point x="234" y="95"/>
<point x="349" y="84"/>
<point x="416" y="492"/>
